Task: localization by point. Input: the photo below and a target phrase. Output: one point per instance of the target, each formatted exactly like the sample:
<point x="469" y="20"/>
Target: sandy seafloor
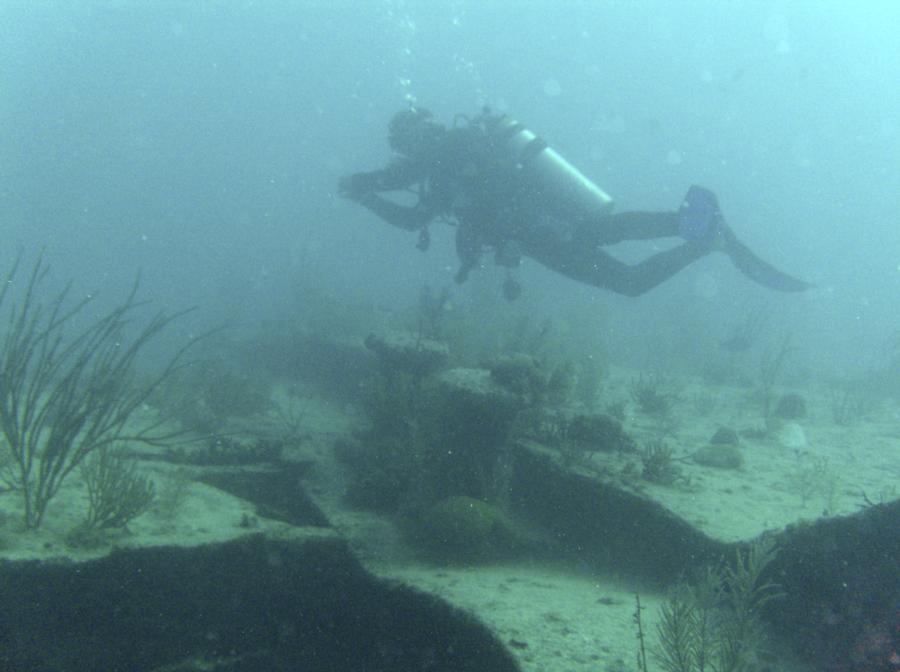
<point x="557" y="618"/>
<point x="551" y="617"/>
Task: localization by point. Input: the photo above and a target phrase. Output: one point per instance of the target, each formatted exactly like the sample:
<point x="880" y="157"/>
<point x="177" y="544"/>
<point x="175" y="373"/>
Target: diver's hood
<point x="413" y="132"/>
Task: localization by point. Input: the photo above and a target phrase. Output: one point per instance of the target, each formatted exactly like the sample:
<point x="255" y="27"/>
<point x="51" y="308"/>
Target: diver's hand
<point x="355" y="187"/>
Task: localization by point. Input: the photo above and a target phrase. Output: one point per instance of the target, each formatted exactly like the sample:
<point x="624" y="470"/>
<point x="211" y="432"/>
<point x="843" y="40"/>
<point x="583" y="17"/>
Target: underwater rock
<point x="790" y="406"/>
<point x="474" y="393"/>
<point x="725" y="436"/>
<point x="467" y="529"/>
<point x="408" y="353"/>
<point x="378" y="475"/>
<point x="300" y="602"/>
<point x="521" y="375"/>
<point x="599" y="432"/>
<point x="720" y="456"/>
<point x="791" y="435"/>
<point x="276" y="492"/>
<point x="604" y="524"/>
<point x="838" y="578"/>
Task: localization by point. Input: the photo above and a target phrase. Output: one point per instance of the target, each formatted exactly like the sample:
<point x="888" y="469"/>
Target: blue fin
<point x="697" y="214"/>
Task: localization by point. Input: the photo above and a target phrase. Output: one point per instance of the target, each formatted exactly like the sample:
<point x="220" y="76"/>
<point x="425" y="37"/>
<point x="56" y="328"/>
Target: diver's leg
<point x="624" y="226"/>
<point x="592" y="265"/>
<point x="605" y="271"/>
<point x="635" y="279"/>
<point x="696" y="219"/>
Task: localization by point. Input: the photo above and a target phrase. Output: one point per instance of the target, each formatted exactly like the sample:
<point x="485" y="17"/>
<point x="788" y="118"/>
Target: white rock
<point x="791" y="435"/>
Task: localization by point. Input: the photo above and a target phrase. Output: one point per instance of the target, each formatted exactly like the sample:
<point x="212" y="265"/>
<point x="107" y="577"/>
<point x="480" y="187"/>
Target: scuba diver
<point x="505" y="190"/>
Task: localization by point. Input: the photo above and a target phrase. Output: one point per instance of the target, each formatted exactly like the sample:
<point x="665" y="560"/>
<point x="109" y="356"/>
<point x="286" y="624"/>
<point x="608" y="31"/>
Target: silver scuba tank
<point x="557" y="184"/>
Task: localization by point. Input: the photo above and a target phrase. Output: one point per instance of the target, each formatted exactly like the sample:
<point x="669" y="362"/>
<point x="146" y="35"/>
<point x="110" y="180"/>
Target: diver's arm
<point x="398" y="174"/>
<point x="401" y="173"/>
<point x="408" y="218"/>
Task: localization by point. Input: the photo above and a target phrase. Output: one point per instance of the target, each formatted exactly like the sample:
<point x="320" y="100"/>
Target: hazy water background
<point x="201" y="142"/>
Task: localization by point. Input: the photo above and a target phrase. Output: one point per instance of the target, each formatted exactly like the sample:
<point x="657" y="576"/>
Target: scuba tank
<point x="557" y="184"/>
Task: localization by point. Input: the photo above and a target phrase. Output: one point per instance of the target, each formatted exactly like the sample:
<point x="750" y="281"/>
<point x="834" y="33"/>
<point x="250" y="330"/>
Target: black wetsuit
<point x="465" y="179"/>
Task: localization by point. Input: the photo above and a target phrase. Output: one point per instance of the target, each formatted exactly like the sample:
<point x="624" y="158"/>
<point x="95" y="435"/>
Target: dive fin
<point x="698" y="214"/>
<point x="760" y="271"/>
<point x="700" y="221"/>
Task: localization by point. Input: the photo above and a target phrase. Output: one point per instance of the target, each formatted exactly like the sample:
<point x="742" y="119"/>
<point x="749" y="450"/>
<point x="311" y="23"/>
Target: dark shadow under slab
<point x="250" y="604"/>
